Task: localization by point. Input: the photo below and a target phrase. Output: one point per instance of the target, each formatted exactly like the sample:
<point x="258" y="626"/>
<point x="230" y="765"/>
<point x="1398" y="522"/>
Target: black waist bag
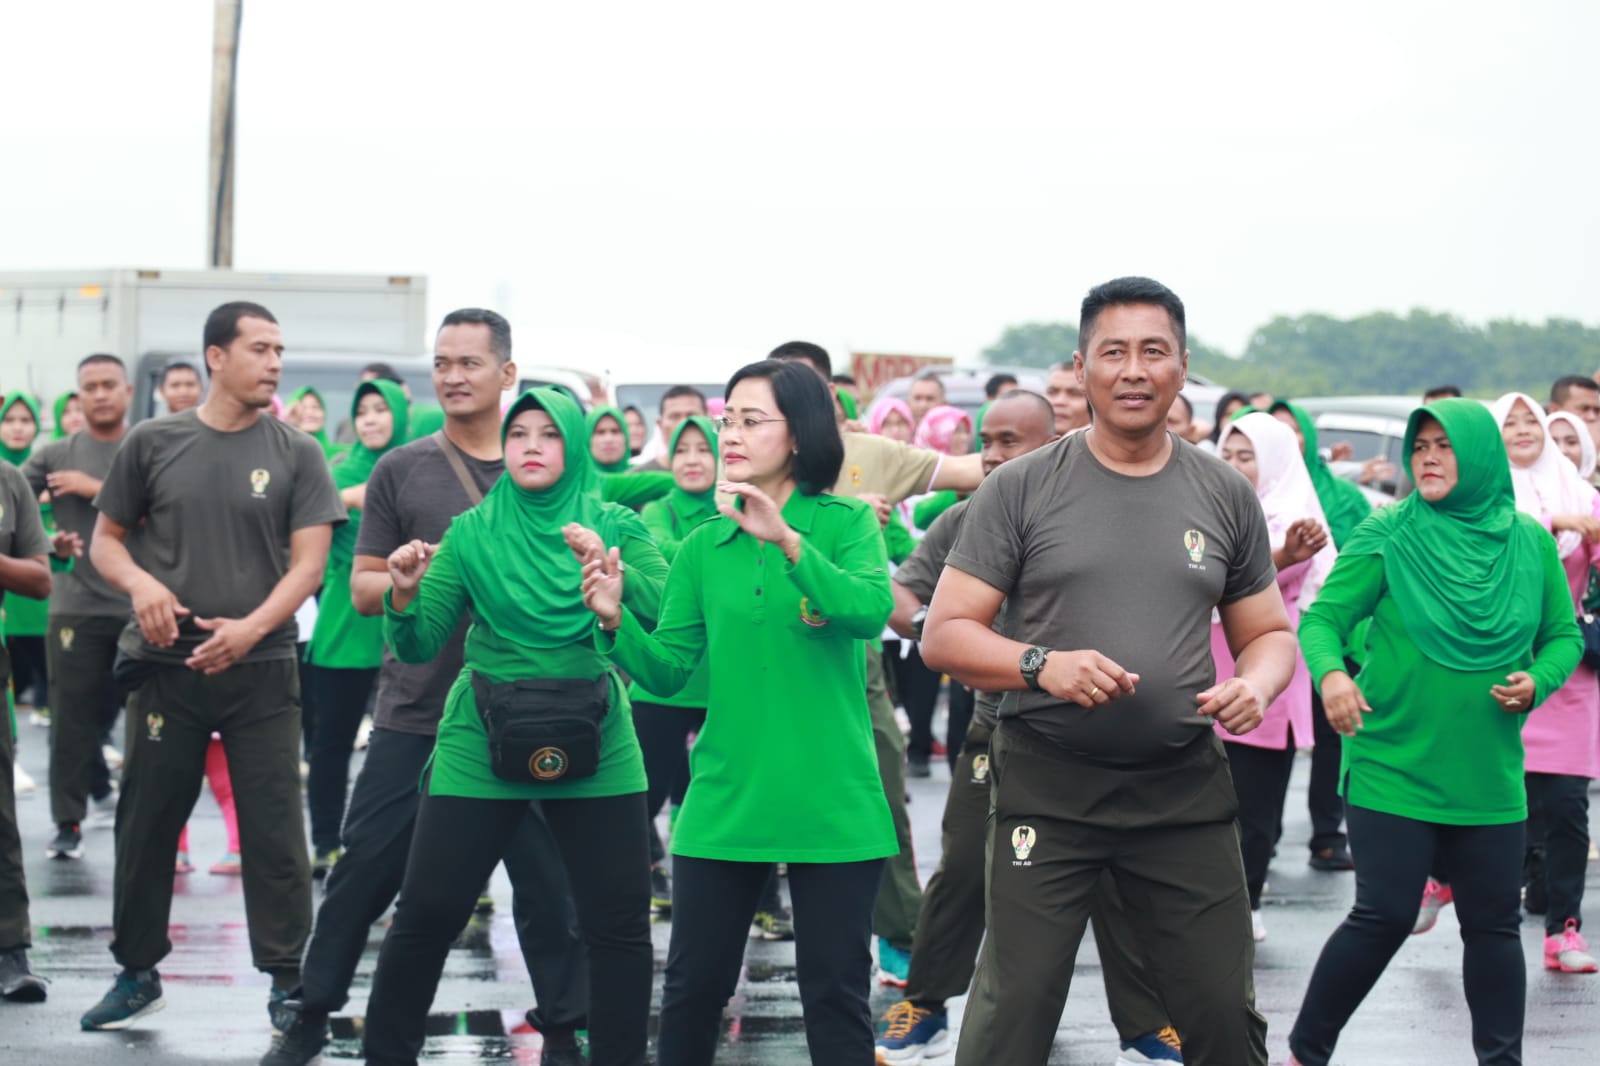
<point x="544" y="729"/>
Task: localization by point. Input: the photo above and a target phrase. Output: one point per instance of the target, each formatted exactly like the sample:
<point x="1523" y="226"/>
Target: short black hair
<point x="996" y="382"/>
<point x="1224" y="401"/>
<point x="804" y="400"/>
<point x="222" y="325"/>
<point x="382" y="372"/>
<point x="930" y="375"/>
<point x="843" y="379"/>
<point x="676" y="392"/>
<point x="1040" y="402"/>
<point x="815" y="354"/>
<point x="1567" y="382"/>
<point x="173" y="368"/>
<point x="103" y="357"/>
<point x="1445" y="392"/>
<point x="499" y="328"/>
<point x="1130" y="290"/>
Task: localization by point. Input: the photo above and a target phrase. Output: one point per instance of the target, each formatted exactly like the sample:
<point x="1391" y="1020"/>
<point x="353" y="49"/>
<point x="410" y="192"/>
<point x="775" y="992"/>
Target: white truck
<point x="333" y="324"/>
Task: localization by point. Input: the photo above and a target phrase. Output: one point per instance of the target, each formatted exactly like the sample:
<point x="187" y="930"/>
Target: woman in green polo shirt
<point x="511" y="564"/>
<point x="345" y="650"/>
<point x="777" y="597"/>
<point x="1472" y="627"/>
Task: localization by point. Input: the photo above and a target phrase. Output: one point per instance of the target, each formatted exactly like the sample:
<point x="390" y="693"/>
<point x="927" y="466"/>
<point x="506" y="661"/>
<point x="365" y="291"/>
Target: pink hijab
<point x="938" y="426"/>
<point x="881" y="409"/>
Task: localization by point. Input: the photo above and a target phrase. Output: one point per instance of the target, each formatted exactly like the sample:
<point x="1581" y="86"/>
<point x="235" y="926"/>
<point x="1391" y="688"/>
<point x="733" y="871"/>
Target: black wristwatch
<point x="1031" y="663"/>
<point x="918" y="619"/>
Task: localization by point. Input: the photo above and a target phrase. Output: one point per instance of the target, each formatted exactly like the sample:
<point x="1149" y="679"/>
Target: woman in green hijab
<point x="68" y="411"/>
<point x="608" y="439"/>
<point x="26" y="620"/>
<point x="346" y="649"/>
<point x="1472" y="627"/>
<point x="1343" y="503"/>
<point x="665" y="723"/>
<point x="309" y="414"/>
<point x="512" y="566"/>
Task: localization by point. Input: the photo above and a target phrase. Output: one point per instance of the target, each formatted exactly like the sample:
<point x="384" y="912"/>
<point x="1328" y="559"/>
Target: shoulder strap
<point x="453" y="457"/>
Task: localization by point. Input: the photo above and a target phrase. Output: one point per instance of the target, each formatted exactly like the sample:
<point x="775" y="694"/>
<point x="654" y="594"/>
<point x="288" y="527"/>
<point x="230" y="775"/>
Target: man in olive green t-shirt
<point x="235" y="513"/>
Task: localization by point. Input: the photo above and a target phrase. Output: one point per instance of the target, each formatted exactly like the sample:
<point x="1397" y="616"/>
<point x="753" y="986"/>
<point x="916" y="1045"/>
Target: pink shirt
<point x="1292" y="709"/>
<point x="1562" y="734"/>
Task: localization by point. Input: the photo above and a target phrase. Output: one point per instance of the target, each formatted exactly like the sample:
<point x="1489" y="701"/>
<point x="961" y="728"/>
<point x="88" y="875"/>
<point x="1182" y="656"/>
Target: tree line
<point x="1319" y="355"/>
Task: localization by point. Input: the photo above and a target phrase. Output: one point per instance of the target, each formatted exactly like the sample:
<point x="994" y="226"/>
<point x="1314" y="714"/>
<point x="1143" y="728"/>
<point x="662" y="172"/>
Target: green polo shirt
<point x="784" y="768"/>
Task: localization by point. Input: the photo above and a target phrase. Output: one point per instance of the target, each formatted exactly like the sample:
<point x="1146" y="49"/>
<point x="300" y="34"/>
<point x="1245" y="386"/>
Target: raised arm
<point x="425" y="601"/>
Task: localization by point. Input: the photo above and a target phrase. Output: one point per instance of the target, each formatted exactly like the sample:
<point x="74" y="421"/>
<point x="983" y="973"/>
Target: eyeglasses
<point x="746" y="423"/>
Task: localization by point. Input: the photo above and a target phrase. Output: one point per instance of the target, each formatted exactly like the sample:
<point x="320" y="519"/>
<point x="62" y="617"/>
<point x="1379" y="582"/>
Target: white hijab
<point x="1551" y="486"/>
<point x="1285" y="488"/>
<point x="1586" y="464"/>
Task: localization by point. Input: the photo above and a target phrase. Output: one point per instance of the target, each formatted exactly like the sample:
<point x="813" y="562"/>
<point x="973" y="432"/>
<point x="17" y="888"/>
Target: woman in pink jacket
<point x="1562" y="735"/>
<point x="1266" y="452"/>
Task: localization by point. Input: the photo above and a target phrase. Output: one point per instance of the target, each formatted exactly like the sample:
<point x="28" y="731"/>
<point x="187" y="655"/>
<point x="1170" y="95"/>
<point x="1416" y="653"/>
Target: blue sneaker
<point x="1162" y="1045"/>
<point x="135" y="994"/>
<point x="894" y="965"/>
<point x="911" y="1032"/>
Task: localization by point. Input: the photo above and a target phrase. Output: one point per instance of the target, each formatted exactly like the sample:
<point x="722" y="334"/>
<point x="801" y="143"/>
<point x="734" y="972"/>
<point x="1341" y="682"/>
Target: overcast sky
<point x="889" y="177"/>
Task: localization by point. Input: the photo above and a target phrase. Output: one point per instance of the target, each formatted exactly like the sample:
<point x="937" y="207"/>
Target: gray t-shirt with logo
<point x="218" y="509"/>
<point x="81" y="590"/>
<point x="412" y="495"/>
<point x="920" y="573"/>
<point x="22" y="534"/>
<point x="1130" y="567"/>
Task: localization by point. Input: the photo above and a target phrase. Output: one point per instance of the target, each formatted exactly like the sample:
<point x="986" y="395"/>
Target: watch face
<point x="1032" y="660"/>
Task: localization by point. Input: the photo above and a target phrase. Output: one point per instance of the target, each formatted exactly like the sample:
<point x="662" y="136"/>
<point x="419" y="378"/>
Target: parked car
<point x="1374" y="427"/>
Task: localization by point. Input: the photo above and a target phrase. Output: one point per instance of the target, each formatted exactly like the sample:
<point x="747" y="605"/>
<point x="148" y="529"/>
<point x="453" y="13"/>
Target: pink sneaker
<point x="183" y="865"/>
<point x="1435" y="898"/>
<point x="1569" y="952"/>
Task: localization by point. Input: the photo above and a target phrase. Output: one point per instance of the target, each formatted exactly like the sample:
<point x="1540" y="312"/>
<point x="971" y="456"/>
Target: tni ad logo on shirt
<point x="259" y="479"/>
<point x="1194" y="542"/>
<point x="1022" y="841"/>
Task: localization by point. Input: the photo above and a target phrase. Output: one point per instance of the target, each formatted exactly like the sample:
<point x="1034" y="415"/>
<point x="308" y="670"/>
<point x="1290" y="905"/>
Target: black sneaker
<point x="917" y="766"/>
<point x="773" y="925"/>
<point x="135" y="994"/>
<point x="1332" y="859"/>
<point x="68" y="843"/>
<point x="18" y="983"/>
<point x="301" y="1036"/>
<point x="660" y="891"/>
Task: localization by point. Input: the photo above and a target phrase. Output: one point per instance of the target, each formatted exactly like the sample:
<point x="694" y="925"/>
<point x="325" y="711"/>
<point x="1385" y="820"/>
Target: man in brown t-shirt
<point x="235" y="512"/>
<point x="1110" y="550"/>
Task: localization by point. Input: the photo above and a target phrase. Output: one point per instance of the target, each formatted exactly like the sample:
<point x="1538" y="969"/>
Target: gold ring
<point x="1094" y="692"/>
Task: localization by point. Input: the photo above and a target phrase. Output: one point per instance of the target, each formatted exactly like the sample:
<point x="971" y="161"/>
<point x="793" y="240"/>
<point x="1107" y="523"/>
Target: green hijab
<point x="18" y="456"/>
<point x="524" y="581"/>
<point x="1343" y="504"/>
<point x="301" y="393"/>
<point x="847" y="404"/>
<point x="60" y="409"/>
<point x="591" y="423"/>
<point x="354" y="466"/>
<point x="426" y="418"/>
<point x="1466" y="571"/>
<point x="692" y="508"/>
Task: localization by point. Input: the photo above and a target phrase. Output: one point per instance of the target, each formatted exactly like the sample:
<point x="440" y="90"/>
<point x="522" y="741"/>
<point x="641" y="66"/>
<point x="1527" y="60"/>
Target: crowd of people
<point x="565" y="628"/>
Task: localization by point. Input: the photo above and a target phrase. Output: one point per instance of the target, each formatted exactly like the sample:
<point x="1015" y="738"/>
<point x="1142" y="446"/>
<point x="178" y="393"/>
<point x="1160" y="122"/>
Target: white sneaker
<point x="1258" y="928"/>
<point x="21" y="781"/>
<point x="103" y="812"/>
<point x="112" y="756"/>
<point x="364" y="734"/>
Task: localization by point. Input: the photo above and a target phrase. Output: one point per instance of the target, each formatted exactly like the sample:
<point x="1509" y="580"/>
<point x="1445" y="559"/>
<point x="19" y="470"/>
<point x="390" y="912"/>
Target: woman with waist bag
<point x="534" y="680"/>
<point x="778" y="596"/>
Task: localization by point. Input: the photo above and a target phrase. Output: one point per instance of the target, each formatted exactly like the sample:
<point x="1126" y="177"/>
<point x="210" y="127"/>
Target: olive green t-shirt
<point x="1131" y="567"/>
<point x="81" y="590"/>
<point x="22" y="533"/>
<point x="218" y="509"/>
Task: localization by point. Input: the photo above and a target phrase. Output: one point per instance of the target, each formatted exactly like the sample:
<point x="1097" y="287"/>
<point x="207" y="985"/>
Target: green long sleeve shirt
<point x="461" y="754"/>
<point x="1436" y="747"/>
<point x="784" y="768"/>
<point x="668" y="530"/>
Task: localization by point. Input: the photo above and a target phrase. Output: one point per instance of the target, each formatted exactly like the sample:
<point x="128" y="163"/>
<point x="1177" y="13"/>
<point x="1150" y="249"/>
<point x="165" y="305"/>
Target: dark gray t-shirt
<point x="218" y="509"/>
<point x="412" y="495"/>
<point x="22" y="534"/>
<point x="1130" y="567"/>
<point x="920" y="573"/>
<point x="80" y="591"/>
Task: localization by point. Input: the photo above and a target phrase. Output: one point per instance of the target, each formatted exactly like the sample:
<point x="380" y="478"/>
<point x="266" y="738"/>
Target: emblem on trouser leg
<point x="980" y="769"/>
<point x="1022" y="840"/>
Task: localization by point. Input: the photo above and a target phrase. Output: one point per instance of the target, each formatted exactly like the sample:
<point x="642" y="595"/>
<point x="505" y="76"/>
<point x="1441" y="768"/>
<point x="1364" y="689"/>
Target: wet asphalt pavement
<point x="216" y="1010"/>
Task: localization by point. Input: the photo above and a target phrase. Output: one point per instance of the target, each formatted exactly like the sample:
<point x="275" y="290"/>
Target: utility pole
<point x="224" y="75"/>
